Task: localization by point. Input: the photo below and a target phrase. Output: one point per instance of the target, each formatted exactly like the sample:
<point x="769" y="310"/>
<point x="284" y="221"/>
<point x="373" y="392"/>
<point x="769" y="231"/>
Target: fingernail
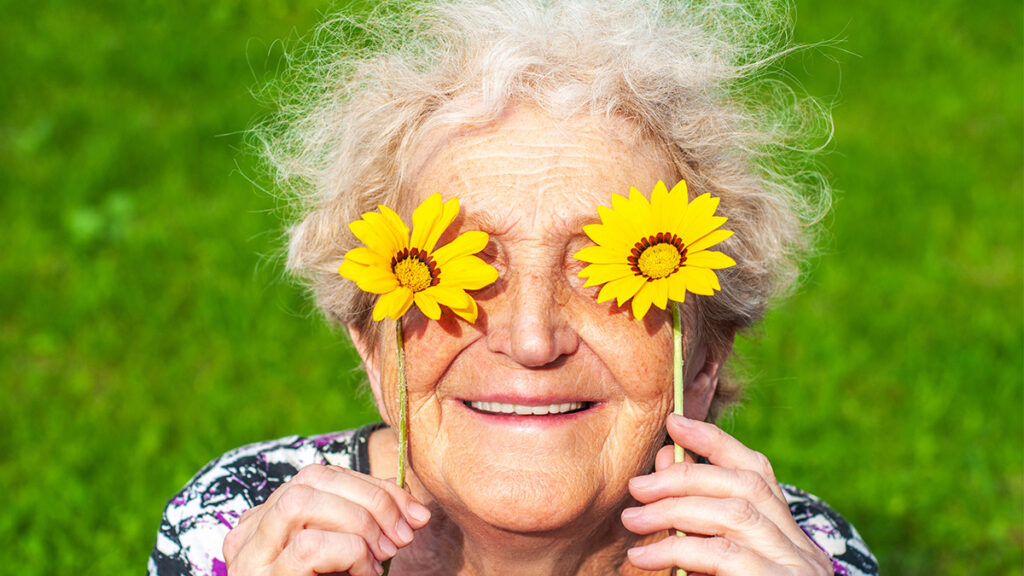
<point x="630" y="513"/>
<point x="641" y="481"/>
<point x="378" y="567"/>
<point x="419" y="512"/>
<point x="637" y="552"/>
<point x="404" y="531"/>
<point x="681" y="420"/>
<point x="387" y="546"/>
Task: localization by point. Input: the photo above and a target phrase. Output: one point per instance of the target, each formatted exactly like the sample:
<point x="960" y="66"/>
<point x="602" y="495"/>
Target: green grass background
<point x="145" y="326"/>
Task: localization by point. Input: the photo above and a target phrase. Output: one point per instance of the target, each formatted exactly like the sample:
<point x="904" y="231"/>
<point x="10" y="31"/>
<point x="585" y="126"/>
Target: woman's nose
<point x="529" y="324"/>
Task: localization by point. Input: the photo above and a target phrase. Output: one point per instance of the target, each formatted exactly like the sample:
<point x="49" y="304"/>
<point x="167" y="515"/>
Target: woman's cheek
<point x="637" y="352"/>
<point x="431" y="347"/>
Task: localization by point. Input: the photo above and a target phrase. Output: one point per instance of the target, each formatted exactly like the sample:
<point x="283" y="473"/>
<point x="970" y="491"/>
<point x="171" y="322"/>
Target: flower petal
<point x="468" y="272"/>
<point x="642" y="301"/>
<point x="609" y="237"/>
<point x="600" y="273"/>
<point x="393" y="304"/>
<point x="372" y="279"/>
<point x="399" y="236"/>
<point x="456" y="300"/>
<point x="395" y="222"/>
<point x="659" y="292"/>
<point x="431" y="219"/>
<point x="699" y="219"/>
<point x="677" y="287"/>
<point x="622" y="289"/>
<point x="708" y="259"/>
<point x="376" y="238"/>
<point x="700" y="280"/>
<point x="641" y="212"/>
<point x="601" y="255"/>
<point x="625" y="218"/>
<point x="467" y="243"/>
<point x="469" y="313"/>
<point x="708" y="240"/>
<point x="366" y="257"/>
<point x="659" y="208"/>
<point x="427" y="304"/>
<point x="678" y="199"/>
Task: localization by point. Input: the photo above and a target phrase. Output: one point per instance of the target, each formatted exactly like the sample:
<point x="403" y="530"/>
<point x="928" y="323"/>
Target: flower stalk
<point x="678" y="364"/>
<point x="403" y="406"/>
<point x="403" y="417"/>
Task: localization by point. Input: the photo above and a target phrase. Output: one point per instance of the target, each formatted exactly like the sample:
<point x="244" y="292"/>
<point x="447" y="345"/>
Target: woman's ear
<point x="371" y="365"/>
<point x="701" y="386"/>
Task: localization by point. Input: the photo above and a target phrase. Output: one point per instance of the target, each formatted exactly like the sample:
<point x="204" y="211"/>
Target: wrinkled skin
<point x="536" y="494"/>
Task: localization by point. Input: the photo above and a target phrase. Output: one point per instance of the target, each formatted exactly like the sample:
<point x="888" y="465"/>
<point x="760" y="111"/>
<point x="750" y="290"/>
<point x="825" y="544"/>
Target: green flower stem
<point x="403" y="418"/>
<point x="677" y="384"/>
<point x="403" y="406"/>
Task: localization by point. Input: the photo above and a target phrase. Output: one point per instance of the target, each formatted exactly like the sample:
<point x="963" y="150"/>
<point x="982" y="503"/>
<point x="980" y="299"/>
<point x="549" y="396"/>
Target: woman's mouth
<point x="502" y="408"/>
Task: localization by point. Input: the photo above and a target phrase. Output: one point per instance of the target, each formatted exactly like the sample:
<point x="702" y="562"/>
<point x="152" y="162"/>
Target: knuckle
<point x="380" y="499"/>
<point x="232" y="542"/>
<point x="306" y="546"/>
<point x="312" y="474"/>
<point x="355" y="550"/>
<point x="364" y="521"/>
<point x="764" y="466"/>
<point x="722" y="549"/>
<point x="294" y="499"/>
<point x="742" y="513"/>
<point x="756" y="485"/>
<point x="248" y="514"/>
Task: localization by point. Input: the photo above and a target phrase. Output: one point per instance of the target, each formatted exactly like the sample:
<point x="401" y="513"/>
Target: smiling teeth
<point x="501" y="408"/>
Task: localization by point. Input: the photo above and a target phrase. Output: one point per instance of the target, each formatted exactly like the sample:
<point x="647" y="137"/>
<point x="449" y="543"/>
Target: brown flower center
<point x="657" y="256"/>
<point x="415" y="269"/>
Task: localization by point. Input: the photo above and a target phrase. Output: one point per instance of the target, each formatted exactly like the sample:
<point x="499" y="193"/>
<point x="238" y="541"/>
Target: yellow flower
<point x="655" y="251"/>
<point x="404" y="270"/>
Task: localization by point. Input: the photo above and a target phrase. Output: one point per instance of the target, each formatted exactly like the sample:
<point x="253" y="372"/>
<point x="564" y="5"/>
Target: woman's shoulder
<point x="831" y="532"/>
<point x="197" y="518"/>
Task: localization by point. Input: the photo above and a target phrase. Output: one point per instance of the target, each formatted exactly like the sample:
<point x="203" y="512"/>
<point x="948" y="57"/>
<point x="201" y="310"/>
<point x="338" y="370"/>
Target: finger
<point x="301" y="506"/>
<point x="710" y="481"/>
<point x="667" y="456"/>
<point x="714" y="556"/>
<point x="240" y="534"/>
<point x="738" y="520"/>
<point x="720" y="448"/>
<point x="367" y="491"/>
<point x="234" y="540"/>
<point x="313" y="552"/>
<point x="395" y="510"/>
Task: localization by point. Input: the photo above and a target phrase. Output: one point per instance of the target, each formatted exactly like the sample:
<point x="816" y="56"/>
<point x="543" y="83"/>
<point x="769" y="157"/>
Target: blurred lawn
<point x="145" y="326"/>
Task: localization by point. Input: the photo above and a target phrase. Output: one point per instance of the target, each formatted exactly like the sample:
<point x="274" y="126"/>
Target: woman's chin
<point x="524" y="501"/>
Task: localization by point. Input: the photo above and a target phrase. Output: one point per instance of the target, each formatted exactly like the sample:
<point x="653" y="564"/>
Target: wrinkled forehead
<point x="526" y="159"/>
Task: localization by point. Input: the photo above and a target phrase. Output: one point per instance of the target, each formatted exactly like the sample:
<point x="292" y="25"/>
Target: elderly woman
<point x="538" y="433"/>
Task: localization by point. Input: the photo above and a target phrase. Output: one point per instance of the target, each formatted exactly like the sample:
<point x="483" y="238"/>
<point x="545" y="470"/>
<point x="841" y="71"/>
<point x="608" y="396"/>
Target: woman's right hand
<point x="326" y="519"/>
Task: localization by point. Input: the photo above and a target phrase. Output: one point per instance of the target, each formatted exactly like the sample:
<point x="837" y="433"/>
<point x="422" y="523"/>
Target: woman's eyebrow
<point x="576" y="223"/>
<point x="484" y="221"/>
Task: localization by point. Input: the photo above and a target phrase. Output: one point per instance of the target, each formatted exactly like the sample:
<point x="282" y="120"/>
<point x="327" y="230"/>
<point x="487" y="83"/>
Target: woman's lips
<point x="508" y="408"/>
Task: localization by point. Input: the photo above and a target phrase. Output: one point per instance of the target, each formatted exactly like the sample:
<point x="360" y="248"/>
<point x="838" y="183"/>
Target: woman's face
<point x="542" y="342"/>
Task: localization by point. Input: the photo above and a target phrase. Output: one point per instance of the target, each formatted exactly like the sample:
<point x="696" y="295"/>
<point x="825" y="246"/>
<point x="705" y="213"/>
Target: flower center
<point x="657" y="256"/>
<point x="415" y="269"/>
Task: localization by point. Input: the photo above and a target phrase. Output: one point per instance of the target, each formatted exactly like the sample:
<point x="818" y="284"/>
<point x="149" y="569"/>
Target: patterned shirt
<point x="197" y="519"/>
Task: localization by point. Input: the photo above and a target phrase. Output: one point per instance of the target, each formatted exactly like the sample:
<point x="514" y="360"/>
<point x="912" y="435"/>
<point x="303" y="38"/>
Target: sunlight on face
<point x="536" y="416"/>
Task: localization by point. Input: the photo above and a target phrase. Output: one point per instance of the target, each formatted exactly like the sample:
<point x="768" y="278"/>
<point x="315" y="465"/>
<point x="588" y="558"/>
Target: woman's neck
<point x="466" y="546"/>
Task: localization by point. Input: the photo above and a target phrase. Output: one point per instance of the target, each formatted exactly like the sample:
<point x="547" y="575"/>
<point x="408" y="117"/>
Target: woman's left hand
<point x="734" y="515"/>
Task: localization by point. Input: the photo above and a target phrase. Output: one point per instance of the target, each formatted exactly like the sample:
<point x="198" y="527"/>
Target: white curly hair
<point x="700" y="78"/>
